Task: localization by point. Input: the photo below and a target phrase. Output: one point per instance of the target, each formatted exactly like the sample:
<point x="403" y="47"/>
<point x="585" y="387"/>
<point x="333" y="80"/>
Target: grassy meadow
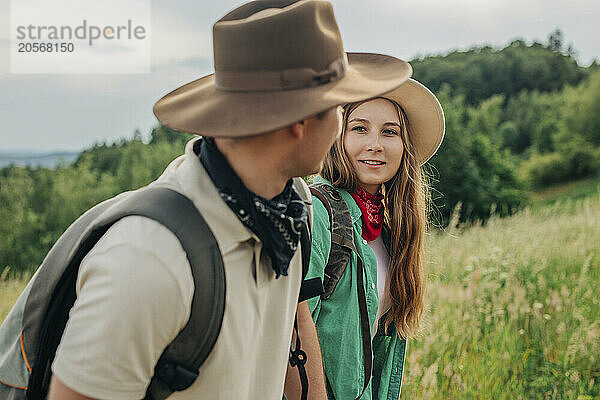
<point x="9" y="291"/>
<point x="513" y="306"/>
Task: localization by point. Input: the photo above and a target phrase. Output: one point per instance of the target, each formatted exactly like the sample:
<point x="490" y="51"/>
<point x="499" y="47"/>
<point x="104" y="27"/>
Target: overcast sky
<point x="72" y="111"/>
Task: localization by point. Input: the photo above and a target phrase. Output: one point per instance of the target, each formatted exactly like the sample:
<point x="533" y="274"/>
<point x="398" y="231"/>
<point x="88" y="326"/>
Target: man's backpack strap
<point x="342" y="246"/>
<point x="310" y="287"/>
<point x="178" y="366"/>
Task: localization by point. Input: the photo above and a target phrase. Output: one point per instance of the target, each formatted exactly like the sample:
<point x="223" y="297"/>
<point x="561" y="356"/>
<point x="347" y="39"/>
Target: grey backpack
<point x="342" y="247"/>
<point x="31" y="333"/>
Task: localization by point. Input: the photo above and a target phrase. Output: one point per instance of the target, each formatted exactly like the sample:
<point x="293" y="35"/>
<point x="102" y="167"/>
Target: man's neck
<point x="261" y="173"/>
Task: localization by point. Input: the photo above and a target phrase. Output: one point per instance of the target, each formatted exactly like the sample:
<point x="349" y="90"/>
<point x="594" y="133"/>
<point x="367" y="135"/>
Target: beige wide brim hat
<point x="276" y="63"/>
<point x="199" y="107"/>
<point x="425" y="117"/>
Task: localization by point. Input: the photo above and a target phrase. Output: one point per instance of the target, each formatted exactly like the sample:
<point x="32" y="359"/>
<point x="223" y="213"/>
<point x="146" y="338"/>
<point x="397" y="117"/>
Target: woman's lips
<point x="372" y="163"/>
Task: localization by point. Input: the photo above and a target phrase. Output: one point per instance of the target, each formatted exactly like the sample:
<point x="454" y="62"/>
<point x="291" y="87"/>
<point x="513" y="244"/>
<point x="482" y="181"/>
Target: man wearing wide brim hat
<point x="267" y="115"/>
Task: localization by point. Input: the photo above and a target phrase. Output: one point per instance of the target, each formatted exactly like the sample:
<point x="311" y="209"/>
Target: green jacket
<point x="338" y="318"/>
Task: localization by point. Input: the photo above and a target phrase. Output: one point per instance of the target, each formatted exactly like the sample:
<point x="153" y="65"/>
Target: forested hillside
<point x="481" y="72"/>
<point x="518" y="118"/>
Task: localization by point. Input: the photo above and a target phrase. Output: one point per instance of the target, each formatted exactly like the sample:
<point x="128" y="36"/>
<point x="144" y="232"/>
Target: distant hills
<point x="31" y="159"/>
<point x="484" y="71"/>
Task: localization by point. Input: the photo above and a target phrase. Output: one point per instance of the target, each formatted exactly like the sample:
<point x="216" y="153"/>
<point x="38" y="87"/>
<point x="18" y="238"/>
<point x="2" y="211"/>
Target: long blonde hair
<point x="406" y="202"/>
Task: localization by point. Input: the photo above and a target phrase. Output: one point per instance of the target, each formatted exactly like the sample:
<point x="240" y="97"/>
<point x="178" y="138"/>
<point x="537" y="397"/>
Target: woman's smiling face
<point x="373" y="142"/>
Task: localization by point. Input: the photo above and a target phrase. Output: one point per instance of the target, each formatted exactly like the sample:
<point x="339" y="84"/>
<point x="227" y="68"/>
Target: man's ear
<point x="298" y="129"/>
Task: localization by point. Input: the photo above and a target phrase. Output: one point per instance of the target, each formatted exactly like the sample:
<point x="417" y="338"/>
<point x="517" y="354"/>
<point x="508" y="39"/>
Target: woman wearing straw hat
<point x="376" y="168"/>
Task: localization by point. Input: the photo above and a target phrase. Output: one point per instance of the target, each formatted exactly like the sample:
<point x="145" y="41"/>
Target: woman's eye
<point x="390" y="132"/>
<point x="359" y="128"/>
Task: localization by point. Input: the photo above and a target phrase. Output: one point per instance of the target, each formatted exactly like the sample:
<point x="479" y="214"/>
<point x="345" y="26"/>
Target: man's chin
<point x="308" y="171"/>
<point x="317" y="169"/>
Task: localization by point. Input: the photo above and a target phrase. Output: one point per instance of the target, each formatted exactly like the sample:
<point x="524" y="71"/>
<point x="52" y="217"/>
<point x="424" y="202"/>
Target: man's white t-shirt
<point x="135" y="290"/>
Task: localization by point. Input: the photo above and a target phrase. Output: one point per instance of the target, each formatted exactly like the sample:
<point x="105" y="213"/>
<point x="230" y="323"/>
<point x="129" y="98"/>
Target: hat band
<point x="287" y="79"/>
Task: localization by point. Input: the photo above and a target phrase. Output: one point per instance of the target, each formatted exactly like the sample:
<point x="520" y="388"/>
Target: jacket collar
<point x="355" y="212"/>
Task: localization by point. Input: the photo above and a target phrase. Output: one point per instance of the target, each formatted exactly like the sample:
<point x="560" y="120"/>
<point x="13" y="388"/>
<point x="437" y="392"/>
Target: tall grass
<point x="9" y="291"/>
<point x="514" y="311"/>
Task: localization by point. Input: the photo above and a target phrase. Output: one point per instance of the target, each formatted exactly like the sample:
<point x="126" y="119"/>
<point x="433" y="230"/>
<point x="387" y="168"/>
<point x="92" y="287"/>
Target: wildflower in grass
<point x="448" y="370"/>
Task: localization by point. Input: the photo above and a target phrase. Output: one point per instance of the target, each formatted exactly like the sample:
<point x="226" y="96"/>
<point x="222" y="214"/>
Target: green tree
<point x="582" y="111"/>
<point x="470" y="169"/>
<point x="485" y="118"/>
<point x="555" y="40"/>
<point x="102" y="157"/>
<point x="529" y="110"/>
<point x="162" y="134"/>
<point x="19" y="228"/>
<point x="482" y="72"/>
<point x="544" y="133"/>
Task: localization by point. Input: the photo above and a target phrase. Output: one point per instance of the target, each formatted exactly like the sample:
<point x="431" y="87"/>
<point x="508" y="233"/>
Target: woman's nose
<point x="374" y="143"/>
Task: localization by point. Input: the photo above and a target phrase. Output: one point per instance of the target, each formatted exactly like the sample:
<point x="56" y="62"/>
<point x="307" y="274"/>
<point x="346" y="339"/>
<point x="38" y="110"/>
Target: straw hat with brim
<point x="276" y="63"/>
<point x="425" y="117"/>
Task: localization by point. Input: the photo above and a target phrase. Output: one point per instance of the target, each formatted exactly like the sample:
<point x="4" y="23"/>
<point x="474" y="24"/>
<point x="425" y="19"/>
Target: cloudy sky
<point x="47" y="112"/>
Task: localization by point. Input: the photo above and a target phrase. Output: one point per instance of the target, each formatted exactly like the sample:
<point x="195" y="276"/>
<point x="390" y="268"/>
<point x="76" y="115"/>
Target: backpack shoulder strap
<point x="342" y="237"/>
<point x="178" y="365"/>
<point x="342" y="246"/>
<point x="310" y="287"/>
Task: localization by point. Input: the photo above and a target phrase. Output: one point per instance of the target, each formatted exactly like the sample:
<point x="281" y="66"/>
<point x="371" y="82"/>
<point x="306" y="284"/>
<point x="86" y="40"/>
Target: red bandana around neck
<point x="371" y="206"/>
